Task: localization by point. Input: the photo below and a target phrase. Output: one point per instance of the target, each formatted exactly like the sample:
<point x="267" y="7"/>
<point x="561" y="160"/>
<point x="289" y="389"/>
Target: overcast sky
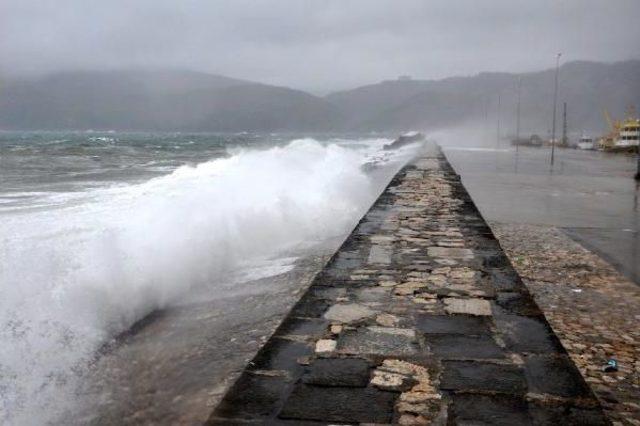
<point x="317" y="45"/>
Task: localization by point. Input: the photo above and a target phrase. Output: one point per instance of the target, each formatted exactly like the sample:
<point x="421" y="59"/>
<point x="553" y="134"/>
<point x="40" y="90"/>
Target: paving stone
<point x="555" y="375"/>
<point x="339" y="404"/>
<point x="387" y="320"/>
<point x="527" y="334"/>
<point x="252" y="396"/>
<point x="325" y="345"/>
<point x="453" y="324"/>
<point x="473" y="376"/>
<point x="469" y="409"/>
<point x="366" y="341"/>
<point x="379" y="255"/>
<point x="280" y="354"/>
<point x="347" y="313"/>
<point x="467" y="306"/>
<point x="302" y="327"/>
<point x="371" y="294"/>
<point x="463" y="347"/>
<point x="518" y="303"/>
<point x="566" y="416"/>
<point x="310" y="307"/>
<point x="450" y="253"/>
<point x="339" y="372"/>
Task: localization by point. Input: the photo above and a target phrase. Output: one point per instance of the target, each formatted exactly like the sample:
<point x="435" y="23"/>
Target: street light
<point x="555" y="106"/>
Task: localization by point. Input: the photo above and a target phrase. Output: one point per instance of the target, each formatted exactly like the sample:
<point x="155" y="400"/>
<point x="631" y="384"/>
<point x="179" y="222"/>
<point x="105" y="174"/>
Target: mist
<point x="318" y="47"/>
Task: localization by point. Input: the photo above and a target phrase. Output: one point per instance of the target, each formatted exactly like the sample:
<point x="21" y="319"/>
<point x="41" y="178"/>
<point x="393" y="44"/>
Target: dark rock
<point x="518" y="303"/>
<point x="476" y="410"/>
<point x="280" y="354"/>
<point x="339" y="404"/>
<point x="463" y="347"/>
<point x="366" y="341"/>
<point x="566" y="416"/>
<point x="338" y="372"/>
<point x="471" y="325"/>
<point x="403" y="140"/>
<point x="251" y="397"/>
<point x="555" y="375"/>
<point x="474" y="376"/>
<point x="527" y="334"/>
<point x="302" y="327"/>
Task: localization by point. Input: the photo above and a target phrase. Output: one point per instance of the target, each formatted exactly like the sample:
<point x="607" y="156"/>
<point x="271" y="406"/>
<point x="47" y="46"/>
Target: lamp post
<point x="518" y="114"/>
<point x="555" y="107"/>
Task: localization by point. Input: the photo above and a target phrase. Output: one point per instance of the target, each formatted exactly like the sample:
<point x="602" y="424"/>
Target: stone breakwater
<point x="419" y="318"/>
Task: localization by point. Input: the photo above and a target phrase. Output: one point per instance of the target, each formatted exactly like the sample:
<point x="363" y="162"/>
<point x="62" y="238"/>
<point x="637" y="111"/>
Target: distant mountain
<point x="158" y="100"/>
<point x="587" y="87"/>
<point x="191" y="101"/>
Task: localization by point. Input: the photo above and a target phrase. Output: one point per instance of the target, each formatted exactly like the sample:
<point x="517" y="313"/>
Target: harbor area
<point x="419" y="318"/>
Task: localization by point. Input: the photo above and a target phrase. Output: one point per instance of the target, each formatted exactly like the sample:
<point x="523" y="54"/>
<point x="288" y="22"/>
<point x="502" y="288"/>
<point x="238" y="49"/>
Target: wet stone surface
<point x="418" y="319"/>
<point x="592" y="308"/>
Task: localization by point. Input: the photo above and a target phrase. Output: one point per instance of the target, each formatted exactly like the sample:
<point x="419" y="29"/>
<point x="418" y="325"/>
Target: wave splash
<point x="72" y="277"/>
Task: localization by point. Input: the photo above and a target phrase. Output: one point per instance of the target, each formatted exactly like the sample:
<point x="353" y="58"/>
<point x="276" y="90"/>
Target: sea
<point x="99" y="230"/>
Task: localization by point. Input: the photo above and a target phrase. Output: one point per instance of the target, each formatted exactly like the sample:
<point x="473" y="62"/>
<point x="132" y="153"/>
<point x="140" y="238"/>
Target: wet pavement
<point x="590" y="194"/>
<point x="419" y="318"/>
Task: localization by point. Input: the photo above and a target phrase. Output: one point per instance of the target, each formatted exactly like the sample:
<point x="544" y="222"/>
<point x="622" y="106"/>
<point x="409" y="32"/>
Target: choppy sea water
<point x="97" y="230"/>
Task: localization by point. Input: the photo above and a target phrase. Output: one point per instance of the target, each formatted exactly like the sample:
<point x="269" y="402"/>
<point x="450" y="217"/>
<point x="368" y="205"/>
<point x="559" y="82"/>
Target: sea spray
<point x="73" y="276"/>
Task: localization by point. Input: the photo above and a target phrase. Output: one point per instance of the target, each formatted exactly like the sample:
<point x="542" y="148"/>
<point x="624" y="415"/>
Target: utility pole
<point x="518" y="115"/>
<point x="486" y="121"/>
<point x="565" y="141"/>
<point x="555" y="107"/>
<point x="498" y="129"/>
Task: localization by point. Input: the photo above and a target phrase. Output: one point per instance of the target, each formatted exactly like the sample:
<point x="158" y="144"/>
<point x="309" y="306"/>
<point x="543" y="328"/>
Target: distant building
<point x="404" y="78"/>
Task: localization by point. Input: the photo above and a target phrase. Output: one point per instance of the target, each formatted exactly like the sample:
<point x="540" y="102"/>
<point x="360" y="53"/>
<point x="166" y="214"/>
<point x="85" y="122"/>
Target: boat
<point x="624" y="136"/>
<point x="586" y="143"/>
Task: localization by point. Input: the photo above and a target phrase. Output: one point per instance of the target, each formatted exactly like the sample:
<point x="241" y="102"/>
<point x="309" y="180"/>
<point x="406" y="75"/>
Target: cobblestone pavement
<point x="419" y="318"/>
<point x="593" y="309"/>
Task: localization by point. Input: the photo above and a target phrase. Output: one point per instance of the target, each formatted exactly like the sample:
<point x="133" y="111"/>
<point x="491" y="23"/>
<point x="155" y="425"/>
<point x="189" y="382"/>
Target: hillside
<point x="157" y="100"/>
<point x="190" y="101"/>
<point x="587" y="87"/>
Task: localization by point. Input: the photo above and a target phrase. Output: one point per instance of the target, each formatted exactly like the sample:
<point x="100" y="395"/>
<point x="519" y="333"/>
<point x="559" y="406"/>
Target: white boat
<point x="586" y="143"/>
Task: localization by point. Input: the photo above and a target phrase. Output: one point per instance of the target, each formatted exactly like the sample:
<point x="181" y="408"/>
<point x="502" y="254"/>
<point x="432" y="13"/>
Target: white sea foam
<point x="72" y="276"/>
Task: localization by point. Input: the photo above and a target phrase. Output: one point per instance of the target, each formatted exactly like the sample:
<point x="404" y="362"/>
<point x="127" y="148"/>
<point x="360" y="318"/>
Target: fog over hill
<point x="191" y="101"/>
<point x="587" y="87"/>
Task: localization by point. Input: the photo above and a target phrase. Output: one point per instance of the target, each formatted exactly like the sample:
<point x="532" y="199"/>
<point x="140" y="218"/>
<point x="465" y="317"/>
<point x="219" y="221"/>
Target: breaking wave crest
<point x="73" y="276"/>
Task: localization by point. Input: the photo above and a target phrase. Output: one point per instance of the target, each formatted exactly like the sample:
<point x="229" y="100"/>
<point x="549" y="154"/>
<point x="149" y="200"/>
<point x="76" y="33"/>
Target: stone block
<point x="353" y="372"/>
<point x="467" y="306"/>
<point x="280" y="354"/>
<point x="527" y="334"/>
<point x="347" y="313"/>
<point x="339" y="404"/>
<point x="555" y="375"/>
<point x="302" y="327"/>
<point x="474" y="376"/>
<point x="463" y="347"/>
<point x="494" y="410"/>
<point x="450" y="253"/>
<point x="453" y="324"/>
<point x="566" y="416"/>
<point x="368" y="341"/>
<point x="252" y="397"/>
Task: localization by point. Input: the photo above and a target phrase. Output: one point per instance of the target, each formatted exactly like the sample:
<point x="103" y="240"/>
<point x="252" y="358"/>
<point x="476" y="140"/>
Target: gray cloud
<point x="316" y="45"/>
